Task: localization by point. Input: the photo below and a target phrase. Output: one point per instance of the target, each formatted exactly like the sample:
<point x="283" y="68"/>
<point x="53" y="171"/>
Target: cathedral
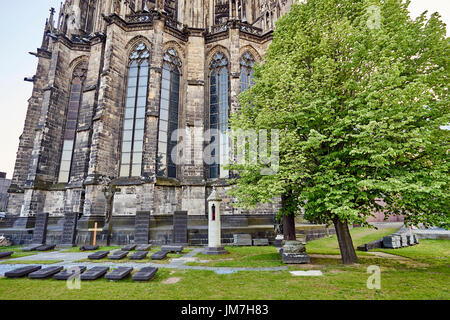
<point x="115" y="79"/>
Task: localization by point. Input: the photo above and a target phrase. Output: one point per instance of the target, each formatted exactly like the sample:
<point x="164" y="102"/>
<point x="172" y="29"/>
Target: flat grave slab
<point x="31" y="247"/>
<point x="138" y="255"/>
<point x="144" y="247"/>
<point x="6" y="254"/>
<point x="118" y="255"/>
<point x="45" y="273"/>
<point x="68" y="273"/>
<point x="119" y="273"/>
<point x="46" y="247"/>
<point x="22" y="272"/>
<point x="94" y="273"/>
<point x="129" y="247"/>
<point x="145" y="274"/>
<point x="173" y="248"/>
<point x="160" y="255"/>
<point x="98" y="255"/>
<point x="89" y="248"/>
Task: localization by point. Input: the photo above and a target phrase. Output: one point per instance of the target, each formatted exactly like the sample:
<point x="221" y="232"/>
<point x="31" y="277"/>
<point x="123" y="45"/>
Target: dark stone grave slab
<point x="94" y="273"/>
<point x="145" y="274"/>
<point x="22" y="272"/>
<point x="138" y="255"/>
<point x="40" y="229"/>
<point x="69" y="229"/>
<point x="129" y="247"/>
<point x="160" y="255"/>
<point x="45" y="273"/>
<point x="31" y="247"/>
<point x="98" y="255"/>
<point x="119" y="273"/>
<point x="144" y="247"/>
<point x="46" y="247"/>
<point x="142" y="226"/>
<point x="180" y="224"/>
<point x="172" y="248"/>
<point x="68" y="273"/>
<point x="6" y="254"/>
<point x="118" y="255"/>
<point x="89" y="248"/>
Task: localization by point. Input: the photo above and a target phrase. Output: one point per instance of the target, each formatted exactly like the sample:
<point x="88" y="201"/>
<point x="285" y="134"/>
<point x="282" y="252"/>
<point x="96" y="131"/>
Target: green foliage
<point x="359" y="111"/>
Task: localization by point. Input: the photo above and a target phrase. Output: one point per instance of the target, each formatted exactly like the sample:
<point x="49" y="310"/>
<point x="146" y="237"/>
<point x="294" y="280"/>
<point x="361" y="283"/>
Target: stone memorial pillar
<point x="214" y="226"/>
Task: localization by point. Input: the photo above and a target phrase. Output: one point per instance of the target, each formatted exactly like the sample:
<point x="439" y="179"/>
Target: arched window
<point x="247" y="73"/>
<point x="168" y="114"/>
<point x="135" y="109"/>
<point x="218" y="113"/>
<point x="70" y="130"/>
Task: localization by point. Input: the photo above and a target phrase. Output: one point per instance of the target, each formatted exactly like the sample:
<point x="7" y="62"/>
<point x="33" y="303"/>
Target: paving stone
<point x="145" y="274"/>
<point x="45" y="273"/>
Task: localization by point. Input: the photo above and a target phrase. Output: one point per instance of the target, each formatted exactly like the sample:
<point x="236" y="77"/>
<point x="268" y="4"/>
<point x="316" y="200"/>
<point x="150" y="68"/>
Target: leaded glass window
<point x="218" y="113"/>
<point x="247" y="73"/>
<point x="76" y="92"/>
<point x="168" y="114"/>
<point x="135" y="109"/>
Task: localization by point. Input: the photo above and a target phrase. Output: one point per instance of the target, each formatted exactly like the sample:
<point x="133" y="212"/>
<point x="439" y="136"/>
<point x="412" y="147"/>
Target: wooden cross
<point x="95" y="233"/>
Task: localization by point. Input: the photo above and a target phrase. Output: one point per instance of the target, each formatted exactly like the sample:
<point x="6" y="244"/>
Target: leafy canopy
<point x="359" y="99"/>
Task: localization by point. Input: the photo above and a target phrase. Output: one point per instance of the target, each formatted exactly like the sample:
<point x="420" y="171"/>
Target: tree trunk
<point x="348" y="252"/>
<point x="289" y="227"/>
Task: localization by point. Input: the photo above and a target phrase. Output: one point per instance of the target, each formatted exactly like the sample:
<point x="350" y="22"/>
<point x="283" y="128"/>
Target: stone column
<point x="214" y="226"/>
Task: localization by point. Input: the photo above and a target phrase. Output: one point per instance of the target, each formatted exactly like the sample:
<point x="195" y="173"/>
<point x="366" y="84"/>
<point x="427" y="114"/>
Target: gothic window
<point x="76" y="92"/>
<point x="247" y="73"/>
<point x="135" y="109"/>
<point x="168" y="117"/>
<point x="218" y="112"/>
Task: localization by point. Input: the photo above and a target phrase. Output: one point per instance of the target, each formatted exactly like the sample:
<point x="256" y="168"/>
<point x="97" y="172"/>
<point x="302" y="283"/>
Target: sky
<point x="21" y="30"/>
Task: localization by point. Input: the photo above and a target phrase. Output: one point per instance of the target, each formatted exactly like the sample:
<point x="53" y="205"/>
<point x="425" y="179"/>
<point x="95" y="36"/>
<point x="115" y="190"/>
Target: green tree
<point x="358" y="91"/>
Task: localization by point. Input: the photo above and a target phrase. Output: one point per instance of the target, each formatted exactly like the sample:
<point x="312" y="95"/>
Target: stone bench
<point x="138" y="255"/>
<point x="145" y="274"/>
<point x="98" y="255"/>
<point x="119" y="273"/>
<point x="45" y="273"/>
<point x="68" y="273"/>
<point x="160" y="255"/>
<point x="94" y="273"/>
<point x="6" y="254"/>
<point x="118" y="255"/>
<point x="173" y="248"/>
<point x="22" y="272"/>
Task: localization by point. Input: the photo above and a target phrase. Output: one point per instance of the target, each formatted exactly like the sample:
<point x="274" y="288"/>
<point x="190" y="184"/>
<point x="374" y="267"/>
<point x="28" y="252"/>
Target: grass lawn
<point x="32" y="262"/>
<point x="77" y="249"/>
<point x="18" y="253"/>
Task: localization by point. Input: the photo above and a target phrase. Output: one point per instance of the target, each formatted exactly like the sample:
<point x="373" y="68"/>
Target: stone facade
<point x="98" y="38"/>
<point x="4" y="186"/>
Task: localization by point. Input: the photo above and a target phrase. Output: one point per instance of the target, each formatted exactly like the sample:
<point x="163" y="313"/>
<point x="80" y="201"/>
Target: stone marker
<point x="278" y="243"/>
<point x="45" y="273"/>
<point x="46" y="247"/>
<point x="142" y="226"/>
<point x="160" y="255"/>
<point x="144" y="247"/>
<point x="173" y="248"/>
<point x="70" y="272"/>
<point x="180" y="224"/>
<point x="294" y="252"/>
<point x="129" y="247"/>
<point x="119" y="273"/>
<point x="89" y="248"/>
<point x="6" y="254"/>
<point x="215" y="246"/>
<point x="98" y="255"/>
<point x="392" y="242"/>
<point x="118" y="255"/>
<point x="39" y="232"/>
<point x="22" y="272"/>
<point x="94" y="273"/>
<point x="260" y="242"/>
<point x="242" y="239"/>
<point x="69" y="229"/>
<point x="145" y="274"/>
<point x="138" y="255"/>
